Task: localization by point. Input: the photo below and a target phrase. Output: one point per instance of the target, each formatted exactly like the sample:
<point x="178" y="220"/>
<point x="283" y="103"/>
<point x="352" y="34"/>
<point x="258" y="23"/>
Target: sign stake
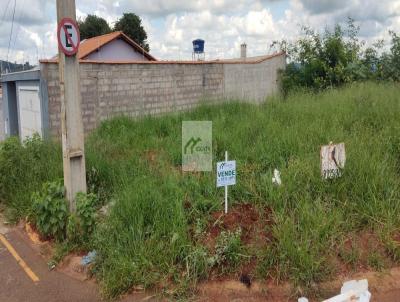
<point x="71" y="115"/>
<point x="226" y="188"/>
<point x="226" y="176"/>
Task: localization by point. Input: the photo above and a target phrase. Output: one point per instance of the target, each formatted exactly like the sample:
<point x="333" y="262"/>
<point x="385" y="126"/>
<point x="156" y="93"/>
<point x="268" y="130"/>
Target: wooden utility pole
<point x="71" y="115"/>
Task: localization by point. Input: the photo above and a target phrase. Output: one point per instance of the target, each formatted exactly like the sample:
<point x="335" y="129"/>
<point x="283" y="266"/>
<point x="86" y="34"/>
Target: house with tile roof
<point x="115" y="46"/>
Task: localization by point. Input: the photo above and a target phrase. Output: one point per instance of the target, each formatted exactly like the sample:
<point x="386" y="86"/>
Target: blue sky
<point x="173" y="24"/>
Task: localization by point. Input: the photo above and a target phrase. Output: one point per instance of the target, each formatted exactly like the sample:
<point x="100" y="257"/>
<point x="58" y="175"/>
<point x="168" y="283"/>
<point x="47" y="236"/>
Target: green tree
<point x="93" y="26"/>
<point x="390" y="62"/>
<point x="131" y="25"/>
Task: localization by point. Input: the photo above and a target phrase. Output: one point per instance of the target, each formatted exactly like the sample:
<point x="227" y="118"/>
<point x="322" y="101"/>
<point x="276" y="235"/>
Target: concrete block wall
<point x="254" y="81"/>
<point x="139" y="89"/>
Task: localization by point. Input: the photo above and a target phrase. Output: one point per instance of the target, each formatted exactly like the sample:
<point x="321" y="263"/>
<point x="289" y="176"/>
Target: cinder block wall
<point x="140" y="89"/>
<point x="252" y="82"/>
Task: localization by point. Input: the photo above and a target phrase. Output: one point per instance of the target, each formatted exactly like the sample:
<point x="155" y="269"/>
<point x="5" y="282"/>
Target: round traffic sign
<point x="68" y="36"/>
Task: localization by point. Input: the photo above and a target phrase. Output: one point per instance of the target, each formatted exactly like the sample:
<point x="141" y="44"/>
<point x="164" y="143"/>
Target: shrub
<point x="336" y="57"/>
<point x="52" y="218"/>
<point x="50" y="210"/>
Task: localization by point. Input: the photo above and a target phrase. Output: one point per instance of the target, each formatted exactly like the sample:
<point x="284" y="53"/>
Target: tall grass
<point x="24" y="167"/>
<point x="147" y="238"/>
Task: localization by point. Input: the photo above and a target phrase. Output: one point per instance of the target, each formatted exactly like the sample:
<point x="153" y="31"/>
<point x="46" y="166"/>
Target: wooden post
<point x="71" y="115"/>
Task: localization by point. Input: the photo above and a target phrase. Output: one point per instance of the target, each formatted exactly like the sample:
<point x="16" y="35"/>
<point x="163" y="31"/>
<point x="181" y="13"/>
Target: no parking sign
<point x="68" y="36"/>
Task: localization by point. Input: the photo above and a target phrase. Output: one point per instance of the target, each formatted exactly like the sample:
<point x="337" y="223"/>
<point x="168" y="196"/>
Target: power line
<point x="5" y="11"/>
<point x="12" y="26"/>
<point x="17" y="20"/>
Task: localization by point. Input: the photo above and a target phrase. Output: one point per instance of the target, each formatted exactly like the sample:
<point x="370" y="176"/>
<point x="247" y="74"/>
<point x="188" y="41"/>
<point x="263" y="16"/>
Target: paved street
<point x="17" y="286"/>
<point x="17" y="275"/>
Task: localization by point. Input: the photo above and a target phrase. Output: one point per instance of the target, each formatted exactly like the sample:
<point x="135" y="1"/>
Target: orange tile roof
<point x="89" y="46"/>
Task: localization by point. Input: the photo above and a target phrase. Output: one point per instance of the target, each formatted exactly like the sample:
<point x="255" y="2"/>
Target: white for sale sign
<point x="226" y="173"/>
<point x="333" y="158"/>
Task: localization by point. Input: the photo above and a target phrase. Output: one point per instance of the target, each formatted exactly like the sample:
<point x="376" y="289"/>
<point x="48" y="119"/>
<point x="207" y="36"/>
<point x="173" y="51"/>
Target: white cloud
<point x="224" y="24"/>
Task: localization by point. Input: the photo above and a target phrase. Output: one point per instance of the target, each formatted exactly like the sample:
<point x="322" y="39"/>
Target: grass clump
<point x="24" y="167"/>
<point x="145" y="237"/>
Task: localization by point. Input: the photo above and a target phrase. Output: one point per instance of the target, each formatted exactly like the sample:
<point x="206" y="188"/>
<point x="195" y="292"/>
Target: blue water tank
<point x="198" y="46"/>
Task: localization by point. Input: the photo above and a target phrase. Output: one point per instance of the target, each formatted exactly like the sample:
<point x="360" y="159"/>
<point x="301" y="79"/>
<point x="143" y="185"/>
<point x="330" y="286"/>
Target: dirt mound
<point x="252" y="221"/>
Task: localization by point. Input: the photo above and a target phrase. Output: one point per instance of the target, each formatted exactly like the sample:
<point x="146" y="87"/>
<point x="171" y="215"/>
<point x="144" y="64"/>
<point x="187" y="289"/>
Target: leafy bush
<point x="53" y="220"/>
<point x="81" y="225"/>
<point x="50" y="210"/>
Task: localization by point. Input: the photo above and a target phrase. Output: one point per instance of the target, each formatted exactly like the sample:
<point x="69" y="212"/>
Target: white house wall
<point x="117" y="50"/>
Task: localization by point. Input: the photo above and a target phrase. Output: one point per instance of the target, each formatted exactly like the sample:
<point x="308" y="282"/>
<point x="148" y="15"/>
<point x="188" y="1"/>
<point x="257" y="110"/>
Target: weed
<point x="86" y="212"/>
<point x="50" y="211"/>
<point x="229" y="250"/>
<point x="376" y="261"/>
<point x="350" y="256"/>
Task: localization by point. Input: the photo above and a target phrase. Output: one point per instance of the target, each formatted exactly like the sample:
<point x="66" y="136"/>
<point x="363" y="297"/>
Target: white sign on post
<point x="226" y="176"/>
<point x="333" y="158"/>
<point x="226" y="173"/>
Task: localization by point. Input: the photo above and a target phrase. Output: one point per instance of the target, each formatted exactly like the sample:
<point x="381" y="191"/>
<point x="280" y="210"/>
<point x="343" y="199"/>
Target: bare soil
<point x="384" y="287"/>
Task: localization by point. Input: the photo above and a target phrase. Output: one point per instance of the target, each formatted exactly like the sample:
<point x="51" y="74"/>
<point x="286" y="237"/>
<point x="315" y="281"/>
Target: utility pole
<point x="71" y="115"/>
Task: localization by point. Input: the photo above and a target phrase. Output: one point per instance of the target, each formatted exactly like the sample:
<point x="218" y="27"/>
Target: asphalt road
<point x="17" y="286"/>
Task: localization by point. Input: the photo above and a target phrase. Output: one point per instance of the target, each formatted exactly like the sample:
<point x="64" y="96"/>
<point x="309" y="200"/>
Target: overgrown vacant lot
<point x="166" y="228"/>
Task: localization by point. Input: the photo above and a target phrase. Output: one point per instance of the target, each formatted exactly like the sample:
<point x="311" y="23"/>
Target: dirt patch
<point x="248" y="218"/>
<point x="361" y="252"/>
<point x="229" y="290"/>
<point x="71" y="266"/>
<point x="3" y="225"/>
<point x="396" y="238"/>
<point x="33" y="234"/>
<point x="384" y="287"/>
<point x="254" y="224"/>
<point x="151" y="156"/>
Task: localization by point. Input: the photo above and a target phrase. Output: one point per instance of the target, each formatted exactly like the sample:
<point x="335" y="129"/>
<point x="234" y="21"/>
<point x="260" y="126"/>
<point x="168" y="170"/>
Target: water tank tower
<point x="198" y="50"/>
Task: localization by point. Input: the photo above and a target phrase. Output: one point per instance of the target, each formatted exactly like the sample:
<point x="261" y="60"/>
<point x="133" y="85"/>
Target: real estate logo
<point x="196" y="146"/>
<point x="192" y="142"/>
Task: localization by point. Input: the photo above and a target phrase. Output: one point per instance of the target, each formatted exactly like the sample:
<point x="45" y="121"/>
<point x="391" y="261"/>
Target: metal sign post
<point x="70" y="95"/>
<point x="226" y="187"/>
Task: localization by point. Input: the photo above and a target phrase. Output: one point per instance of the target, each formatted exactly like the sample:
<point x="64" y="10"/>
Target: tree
<point x="93" y="26"/>
<point x="131" y="25"/>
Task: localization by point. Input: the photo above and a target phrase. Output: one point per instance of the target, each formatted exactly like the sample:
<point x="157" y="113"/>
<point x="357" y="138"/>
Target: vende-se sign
<point x="226" y="173"/>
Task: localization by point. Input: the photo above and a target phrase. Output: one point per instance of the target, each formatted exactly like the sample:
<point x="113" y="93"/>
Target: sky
<point x="171" y="25"/>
